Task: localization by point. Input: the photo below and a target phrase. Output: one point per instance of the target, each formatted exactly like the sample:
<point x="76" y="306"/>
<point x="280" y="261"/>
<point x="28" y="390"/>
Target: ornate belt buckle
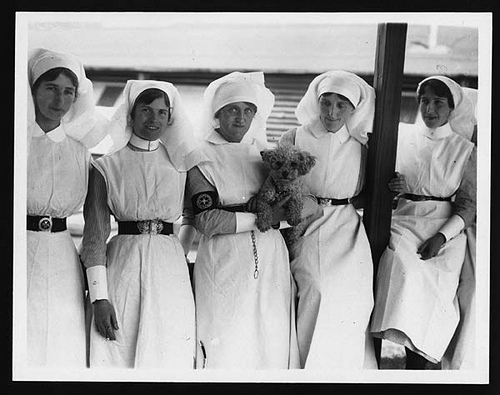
<point x="152" y="227"/>
<point x="324" y="202"/>
<point x="45" y="224"/>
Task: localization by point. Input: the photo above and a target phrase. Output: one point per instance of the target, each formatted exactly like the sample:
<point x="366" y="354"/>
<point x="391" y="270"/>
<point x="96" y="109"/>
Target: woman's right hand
<point x="279" y="213"/>
<point x="398" y="184"/>
<point x="105" y="318"/>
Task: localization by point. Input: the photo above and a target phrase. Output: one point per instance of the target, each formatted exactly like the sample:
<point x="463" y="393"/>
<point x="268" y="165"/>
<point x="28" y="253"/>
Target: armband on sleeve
<point x="203" y="201"/>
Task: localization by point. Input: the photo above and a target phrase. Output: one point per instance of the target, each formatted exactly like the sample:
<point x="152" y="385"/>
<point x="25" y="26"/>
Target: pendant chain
<point x="255" y="256"/>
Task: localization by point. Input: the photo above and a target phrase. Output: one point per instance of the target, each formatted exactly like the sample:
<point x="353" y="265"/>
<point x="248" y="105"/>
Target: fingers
<point x="110" y="333"/>
<point x="398" y="183"/>
<point x="114" y="321"/>
<point x="426" y="251"/>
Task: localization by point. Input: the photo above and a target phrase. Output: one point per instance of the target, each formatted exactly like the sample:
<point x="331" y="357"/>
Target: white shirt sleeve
<point x="452" y="227"/>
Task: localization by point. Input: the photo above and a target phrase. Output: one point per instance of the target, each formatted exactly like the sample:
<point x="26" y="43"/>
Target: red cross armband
<point x="204" y="201"/>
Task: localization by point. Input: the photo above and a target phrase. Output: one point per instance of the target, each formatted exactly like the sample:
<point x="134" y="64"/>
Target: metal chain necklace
<point x="255" y="256"/>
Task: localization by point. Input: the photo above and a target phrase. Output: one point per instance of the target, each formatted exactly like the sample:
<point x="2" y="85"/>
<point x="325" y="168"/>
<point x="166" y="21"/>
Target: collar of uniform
<point x="215" y="138"/>
<point x="318" y="130"/>
<point x="56" y="135"/>
<point x="438" y="133"/>
<point x="143" y="144"/>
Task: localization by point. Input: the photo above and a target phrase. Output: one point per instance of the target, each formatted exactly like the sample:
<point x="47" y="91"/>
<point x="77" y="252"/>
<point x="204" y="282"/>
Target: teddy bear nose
<point x="285" y="174"/>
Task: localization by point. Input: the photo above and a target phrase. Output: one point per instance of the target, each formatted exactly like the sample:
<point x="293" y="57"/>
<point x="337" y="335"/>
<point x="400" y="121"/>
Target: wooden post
<point x="387" y="82"/>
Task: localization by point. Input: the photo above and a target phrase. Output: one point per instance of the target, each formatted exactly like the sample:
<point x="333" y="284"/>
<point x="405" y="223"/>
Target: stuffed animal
<point x="287" y="164"/>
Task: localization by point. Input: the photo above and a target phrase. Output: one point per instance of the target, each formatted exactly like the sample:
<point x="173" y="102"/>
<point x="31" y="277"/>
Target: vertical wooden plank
<point x="387" y="82"/>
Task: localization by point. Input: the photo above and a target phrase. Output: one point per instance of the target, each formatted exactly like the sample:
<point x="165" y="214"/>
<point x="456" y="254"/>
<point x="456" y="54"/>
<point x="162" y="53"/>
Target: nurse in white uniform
<point x="243" y="286"/>
<point x="138" y="282"/>
<point x="332" y="263"/>
<point x="418" y="277"/>
<point x="61" y="120"/>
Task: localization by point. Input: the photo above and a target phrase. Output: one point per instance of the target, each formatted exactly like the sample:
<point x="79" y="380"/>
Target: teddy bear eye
<point x="278" y="164"/>
<point x="294" y="165"/>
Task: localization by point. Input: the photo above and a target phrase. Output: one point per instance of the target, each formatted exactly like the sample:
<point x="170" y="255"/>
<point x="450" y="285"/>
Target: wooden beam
<point x="387" y="82"/>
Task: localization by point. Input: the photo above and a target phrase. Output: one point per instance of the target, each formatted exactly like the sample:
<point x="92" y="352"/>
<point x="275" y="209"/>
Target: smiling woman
<point x="151" y="114"/>
<point x="138" y="282"/>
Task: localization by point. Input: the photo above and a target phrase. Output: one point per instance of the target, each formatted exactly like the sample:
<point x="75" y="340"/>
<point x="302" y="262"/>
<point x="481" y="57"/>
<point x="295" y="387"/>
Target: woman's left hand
<point x="430" y="248"/>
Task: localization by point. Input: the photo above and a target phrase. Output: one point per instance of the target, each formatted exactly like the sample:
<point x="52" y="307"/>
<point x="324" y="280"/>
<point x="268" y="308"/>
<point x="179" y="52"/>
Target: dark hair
<point x="52" y="75"/>
<point x="342" y="97"/>
<point x="253" y="106"/>
<point x="148" y="96"/>
<point x="439" y="88"/>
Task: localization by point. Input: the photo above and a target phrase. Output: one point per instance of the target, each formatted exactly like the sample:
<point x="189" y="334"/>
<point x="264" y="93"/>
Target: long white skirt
<point x="461" y="351"/>
<point x="55" y="304"/>
<point x="244" y="322"/>
<point x="334" y="274"/>
<point x="416" y="301"/>
<point x="149" y="287"/>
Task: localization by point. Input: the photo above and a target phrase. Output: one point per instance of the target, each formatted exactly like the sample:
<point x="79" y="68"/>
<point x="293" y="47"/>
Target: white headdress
<point x="81" y="120"/>
<point x="462" y="118"/>
<point x="238" y="87"/>
<point x="178" y="138"/>
<point x="359" y="93"/>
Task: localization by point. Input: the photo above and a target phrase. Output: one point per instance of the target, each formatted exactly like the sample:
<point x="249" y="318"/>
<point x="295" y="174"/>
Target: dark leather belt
<point x="237" y="208"/>
<point x="421" y="198"/>
<point x="145" y="227"/>
<point x="45" y="223"/>
<point x="325" y="202"/>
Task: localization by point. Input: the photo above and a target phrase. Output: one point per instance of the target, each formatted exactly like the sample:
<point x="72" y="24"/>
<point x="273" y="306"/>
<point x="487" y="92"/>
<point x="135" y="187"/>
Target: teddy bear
<point x="287" y="165"/>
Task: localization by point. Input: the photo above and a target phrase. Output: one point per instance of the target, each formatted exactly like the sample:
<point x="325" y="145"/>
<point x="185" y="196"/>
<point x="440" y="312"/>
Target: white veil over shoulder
<point x="463" y="117"/>
<point x="178" y="139"/>
<point x="82" y="119"/>
<point x="238" y="87"/>
<point x="359" y="93"/>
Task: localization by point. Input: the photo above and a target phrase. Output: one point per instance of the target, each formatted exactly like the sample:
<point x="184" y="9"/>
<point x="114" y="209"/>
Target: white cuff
<point x="98" y="282"/>
<point x="284" y="225"/>
<point x="452" y="227"/>
<point x="245" y="222"/>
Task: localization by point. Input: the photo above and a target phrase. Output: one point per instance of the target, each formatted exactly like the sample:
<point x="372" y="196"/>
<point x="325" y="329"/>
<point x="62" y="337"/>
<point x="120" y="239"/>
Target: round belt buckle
<point x="45" y="224"/>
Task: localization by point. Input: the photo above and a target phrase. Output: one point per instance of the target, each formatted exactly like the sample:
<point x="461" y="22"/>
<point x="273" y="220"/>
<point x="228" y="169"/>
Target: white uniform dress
<point x="419" y="298"/>
<point x="58" y="168"/>
<point x="332" y="263"/>
<point x="243" y="322"/>
<point x="148" y="280"/>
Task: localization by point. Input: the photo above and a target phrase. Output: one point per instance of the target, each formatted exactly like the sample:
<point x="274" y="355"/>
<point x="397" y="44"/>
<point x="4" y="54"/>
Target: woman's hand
<point x="430" y="248"/>
<point x="105" y="318"/>
<point x="279" y="213"/>
<point x="398" y="184"/>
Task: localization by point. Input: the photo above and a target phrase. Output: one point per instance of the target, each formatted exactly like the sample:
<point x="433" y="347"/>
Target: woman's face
<point x="53" y="99"/>
<point x="151" y="120"/>
<point x="435" y="110"/>
<point x="235" y="119"/>
<point x="334" y="111"/>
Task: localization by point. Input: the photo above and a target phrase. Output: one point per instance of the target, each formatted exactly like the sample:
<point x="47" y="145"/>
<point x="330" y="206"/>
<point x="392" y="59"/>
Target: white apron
<point x="57" y="185"/>
<point x="332" y="266"/>
<point x="243" y="322"/>
<point x="413" y="296"/>
<point x="148" y="280"/>
<point x="460" y="352"/>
